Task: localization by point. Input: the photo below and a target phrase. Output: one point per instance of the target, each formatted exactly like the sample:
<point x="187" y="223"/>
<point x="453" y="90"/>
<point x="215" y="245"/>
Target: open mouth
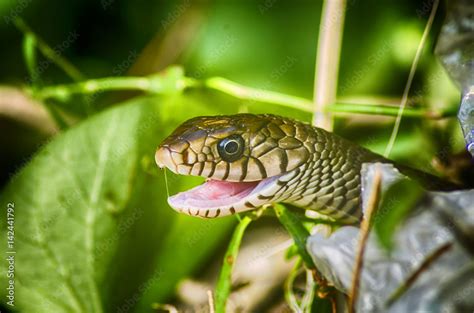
<point x="216" y="197"/>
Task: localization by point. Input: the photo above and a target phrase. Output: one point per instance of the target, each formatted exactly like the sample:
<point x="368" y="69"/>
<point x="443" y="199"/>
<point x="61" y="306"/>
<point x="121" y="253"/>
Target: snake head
<point x="243" y="156"/>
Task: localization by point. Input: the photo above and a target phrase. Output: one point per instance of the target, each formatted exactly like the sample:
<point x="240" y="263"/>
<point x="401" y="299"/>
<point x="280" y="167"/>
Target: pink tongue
<point x="215" y="189"/>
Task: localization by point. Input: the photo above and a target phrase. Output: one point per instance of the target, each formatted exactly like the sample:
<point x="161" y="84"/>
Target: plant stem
<point x="253" y="94"/>
<point x="29" y="54"/>
<point x="327" y="61"/>
<point x="224" y="282"/>
<point x="297" y="231"/>
<point x="289" y="294"/>
<point x="96" y="85"/>
<point x="173" y="81"/>
<point x="50" y="53"/>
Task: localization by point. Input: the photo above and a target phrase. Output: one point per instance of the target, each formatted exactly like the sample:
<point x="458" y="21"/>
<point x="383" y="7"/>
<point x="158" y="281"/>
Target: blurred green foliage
<point x="394" y="208"/>
<point x="92" y="223"/>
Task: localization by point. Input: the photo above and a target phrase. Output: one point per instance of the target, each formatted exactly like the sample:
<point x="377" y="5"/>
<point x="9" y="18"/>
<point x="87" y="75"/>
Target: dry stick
<point x="211" y="301"/>
<point x="412" y="278"/>
<point x="364" y="235"/>
<point x="164" y="307"/>
<point x="327" y="61"/>
<point x="414" y="65"/>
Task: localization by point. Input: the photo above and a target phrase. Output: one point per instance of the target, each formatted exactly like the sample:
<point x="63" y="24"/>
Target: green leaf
<point x="93" y="231"/>
<point x="397" y="202"/>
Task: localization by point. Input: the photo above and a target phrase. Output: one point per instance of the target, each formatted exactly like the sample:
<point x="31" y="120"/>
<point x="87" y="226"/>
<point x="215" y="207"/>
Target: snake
<point x="255" y="160"/>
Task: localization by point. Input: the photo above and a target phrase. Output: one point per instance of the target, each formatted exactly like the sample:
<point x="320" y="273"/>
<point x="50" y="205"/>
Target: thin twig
<point x="364" y="235"/>
<point x="413" y="277"/>
<point x="164" y="307"/>
<point x="414" y="65"/>
<point x="308" y="297"/>
<point x="327" y="60"/>
<point x="211" y="302"/>
<point x="289" y="294"/>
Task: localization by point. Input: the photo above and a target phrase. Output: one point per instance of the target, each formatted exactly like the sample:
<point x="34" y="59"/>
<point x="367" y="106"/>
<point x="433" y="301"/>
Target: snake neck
<point x="329" y="182"/>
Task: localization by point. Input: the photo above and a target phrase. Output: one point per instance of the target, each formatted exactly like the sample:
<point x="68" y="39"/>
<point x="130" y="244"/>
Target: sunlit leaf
<point x="93" y="231"/>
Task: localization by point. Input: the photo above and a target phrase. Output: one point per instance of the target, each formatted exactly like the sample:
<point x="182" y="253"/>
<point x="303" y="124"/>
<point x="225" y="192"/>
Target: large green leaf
<point x="93" y="232"/>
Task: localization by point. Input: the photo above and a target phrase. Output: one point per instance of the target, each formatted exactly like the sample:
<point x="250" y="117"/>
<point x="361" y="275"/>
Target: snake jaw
<point x="216" y="198"/>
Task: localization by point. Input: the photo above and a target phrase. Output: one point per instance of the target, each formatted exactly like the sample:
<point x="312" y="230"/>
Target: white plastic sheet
<point x="446" y="286"/>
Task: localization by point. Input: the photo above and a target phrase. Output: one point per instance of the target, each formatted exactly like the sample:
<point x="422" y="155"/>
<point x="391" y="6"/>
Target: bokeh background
<point x="93" y="231"/>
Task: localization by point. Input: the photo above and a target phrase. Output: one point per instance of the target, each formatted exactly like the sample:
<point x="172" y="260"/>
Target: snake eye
<point x="231" y="148"/>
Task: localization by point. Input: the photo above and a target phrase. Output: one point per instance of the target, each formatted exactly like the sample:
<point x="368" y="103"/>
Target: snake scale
<point x="254" y="160"/>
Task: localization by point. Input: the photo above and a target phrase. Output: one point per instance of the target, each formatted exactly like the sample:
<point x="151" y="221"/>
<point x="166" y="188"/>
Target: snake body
<point x="253" y="160"/>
